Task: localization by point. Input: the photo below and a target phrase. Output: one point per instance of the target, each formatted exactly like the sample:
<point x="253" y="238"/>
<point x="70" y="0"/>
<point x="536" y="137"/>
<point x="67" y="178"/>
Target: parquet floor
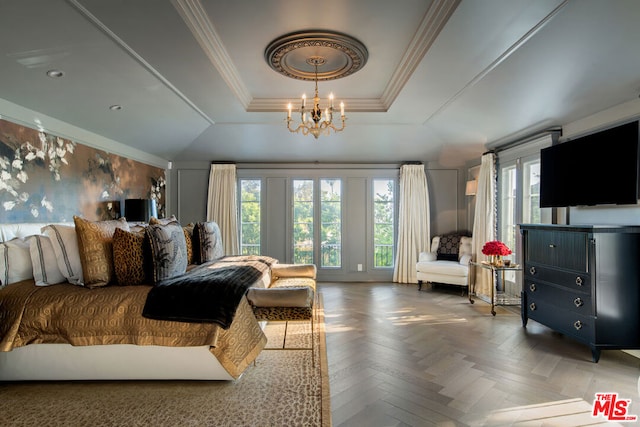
<point x="402" y="357"/>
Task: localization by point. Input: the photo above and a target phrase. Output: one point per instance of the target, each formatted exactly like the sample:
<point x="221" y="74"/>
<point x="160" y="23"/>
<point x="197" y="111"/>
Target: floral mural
<point x="46" y="178"/>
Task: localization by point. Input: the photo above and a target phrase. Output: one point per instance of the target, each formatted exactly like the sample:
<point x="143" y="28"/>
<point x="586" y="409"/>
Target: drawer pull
<point x="578" y="302"/>
<point x="579" y="281"/>
<point x="577" y="324"/>
<point x="532" y="270"/>
<point x="532" y="306"/>
<point x="552" y="245"/>
<point x="532" y="287"/>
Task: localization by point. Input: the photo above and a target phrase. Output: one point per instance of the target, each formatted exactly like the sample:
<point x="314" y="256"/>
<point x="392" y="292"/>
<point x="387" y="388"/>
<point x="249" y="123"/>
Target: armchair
<point x="447" y="262"/>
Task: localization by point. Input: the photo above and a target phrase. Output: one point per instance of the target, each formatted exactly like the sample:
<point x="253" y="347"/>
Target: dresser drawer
<point x="576" y="325"/>
<point x="563" y="299"/>
<point x="569" y="250"/>
<point x="580" y="282"/>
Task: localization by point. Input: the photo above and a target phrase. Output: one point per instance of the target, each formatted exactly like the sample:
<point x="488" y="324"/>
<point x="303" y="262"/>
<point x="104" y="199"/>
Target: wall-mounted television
<point x="597" y="169"/>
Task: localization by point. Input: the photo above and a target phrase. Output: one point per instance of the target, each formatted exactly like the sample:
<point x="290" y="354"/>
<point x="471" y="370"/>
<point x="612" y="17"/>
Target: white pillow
<point x="15" y="262"/>
<point x="65" y="246"/>
<point x="43" y="259"/>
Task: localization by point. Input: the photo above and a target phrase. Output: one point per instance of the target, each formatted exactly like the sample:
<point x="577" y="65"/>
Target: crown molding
<point x="432" y="23"/>
<point x="361" y="105"/>
<point x="196" y="18"/>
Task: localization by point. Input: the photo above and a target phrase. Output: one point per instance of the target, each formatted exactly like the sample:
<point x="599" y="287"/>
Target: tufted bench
<point x="291" y="296"/>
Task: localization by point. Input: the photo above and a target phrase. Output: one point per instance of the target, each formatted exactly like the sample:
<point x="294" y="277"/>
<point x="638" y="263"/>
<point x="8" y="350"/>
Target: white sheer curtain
<point x="222" y="204"/>
<point x="413" y="222"/>
<point x="485" y="220"/>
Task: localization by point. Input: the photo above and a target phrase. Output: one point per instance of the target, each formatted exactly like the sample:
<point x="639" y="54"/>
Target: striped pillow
<point x="43" y="260"/>
<point x="65" y="246"/>
<point x="14" y="267"/>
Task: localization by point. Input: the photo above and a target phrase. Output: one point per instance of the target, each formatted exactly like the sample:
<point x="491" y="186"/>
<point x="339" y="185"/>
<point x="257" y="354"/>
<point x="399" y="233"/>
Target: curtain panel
<point x="485" y="221"/>
<point x="413" y="222"/>
<point x="222" y="204"/>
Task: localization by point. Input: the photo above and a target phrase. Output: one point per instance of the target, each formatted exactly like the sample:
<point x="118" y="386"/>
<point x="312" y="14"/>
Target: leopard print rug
<point x="283" y="388"/>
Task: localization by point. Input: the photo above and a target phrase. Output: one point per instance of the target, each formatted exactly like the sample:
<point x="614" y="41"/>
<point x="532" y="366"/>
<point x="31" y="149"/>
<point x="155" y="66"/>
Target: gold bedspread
<point x="79" y="316"/>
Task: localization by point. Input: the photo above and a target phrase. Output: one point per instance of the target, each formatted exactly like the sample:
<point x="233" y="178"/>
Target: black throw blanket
<point x="210" y="293"/>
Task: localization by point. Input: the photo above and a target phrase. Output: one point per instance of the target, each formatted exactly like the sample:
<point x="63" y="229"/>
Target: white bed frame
<point x="110" y="362"/>
<point x="103" y="362"/>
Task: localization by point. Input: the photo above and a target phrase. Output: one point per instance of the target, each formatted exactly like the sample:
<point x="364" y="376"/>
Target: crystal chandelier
<point x="315" y="121"/>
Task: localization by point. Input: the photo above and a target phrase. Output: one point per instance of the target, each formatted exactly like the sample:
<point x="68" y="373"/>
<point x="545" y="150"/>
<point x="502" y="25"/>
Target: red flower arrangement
<point x="496" y="247"/>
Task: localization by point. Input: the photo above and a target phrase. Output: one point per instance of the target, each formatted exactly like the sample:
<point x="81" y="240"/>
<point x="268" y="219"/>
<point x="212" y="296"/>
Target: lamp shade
<point x="140" y="209"/>
<point x="472" y="188"/>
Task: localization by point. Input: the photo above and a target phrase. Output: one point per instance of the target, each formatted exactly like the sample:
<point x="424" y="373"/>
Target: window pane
<point x="303" y="221"/>
<point x="531" y="212"/>
<point x="331" y="222"/>
<point x="508" y="207"/>
<point x="383" y="222"/>
<point x="250" y="190"/>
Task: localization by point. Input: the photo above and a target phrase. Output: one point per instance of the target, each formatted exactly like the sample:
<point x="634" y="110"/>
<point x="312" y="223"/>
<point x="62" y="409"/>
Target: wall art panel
<point x="45" y="178"/>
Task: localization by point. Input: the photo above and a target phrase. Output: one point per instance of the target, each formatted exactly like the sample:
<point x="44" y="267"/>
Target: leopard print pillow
<point x="128" y="257"/>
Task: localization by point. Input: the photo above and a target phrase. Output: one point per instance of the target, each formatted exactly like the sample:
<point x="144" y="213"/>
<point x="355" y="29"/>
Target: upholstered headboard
<point x="22" y="230"/>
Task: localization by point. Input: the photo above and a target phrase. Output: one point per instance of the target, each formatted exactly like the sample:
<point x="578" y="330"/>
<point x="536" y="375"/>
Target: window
<point x="250" y="208"/>
<point x="331" y="223"/>
<point x="383" y="222"/>
<point x="303" y="239"/>
<point x="531" y="212"/>
<point x="519" y="202"/>
<point x="508" y="206"/>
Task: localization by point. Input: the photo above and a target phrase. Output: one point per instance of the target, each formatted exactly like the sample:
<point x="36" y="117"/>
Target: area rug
<point x="284" y="388"/>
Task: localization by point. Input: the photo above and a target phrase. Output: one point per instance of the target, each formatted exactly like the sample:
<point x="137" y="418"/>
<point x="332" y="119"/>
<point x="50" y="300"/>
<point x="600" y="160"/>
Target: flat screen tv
<point x="597" y="169"/>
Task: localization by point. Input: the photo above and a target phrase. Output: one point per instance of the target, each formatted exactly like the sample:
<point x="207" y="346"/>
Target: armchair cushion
<point x="426" y="256"/>
<point x="465" y="259"/>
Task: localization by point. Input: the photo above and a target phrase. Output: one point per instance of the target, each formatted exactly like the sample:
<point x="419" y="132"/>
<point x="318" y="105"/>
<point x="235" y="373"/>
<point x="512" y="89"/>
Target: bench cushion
<point x="281" y="297"/>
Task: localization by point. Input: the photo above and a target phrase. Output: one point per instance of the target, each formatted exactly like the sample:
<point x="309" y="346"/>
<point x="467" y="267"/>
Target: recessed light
<point x="55" y="73"/>
<point x="115" y="107"/>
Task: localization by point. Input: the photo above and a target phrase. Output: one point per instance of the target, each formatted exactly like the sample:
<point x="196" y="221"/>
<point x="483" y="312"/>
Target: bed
<point x="65" y="331"/>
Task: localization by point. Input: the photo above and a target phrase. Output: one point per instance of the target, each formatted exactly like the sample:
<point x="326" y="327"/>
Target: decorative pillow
<point x="162" y="221"/>
<point x="448" y="247"/>
<point x="96" y="251"/>
<point x="65" y="246"/>
<point x="128" y="257"/>
<point x="168" y="251"/>
<point x="188" y="237"/>
<point x="207" y="242"/>
<point x="43" y="260"/>
<point x="15" y="262"/>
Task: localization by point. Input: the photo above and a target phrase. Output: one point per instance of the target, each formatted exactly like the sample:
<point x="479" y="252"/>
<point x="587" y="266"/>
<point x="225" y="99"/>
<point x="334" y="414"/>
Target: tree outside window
<point x="250" y="190"/>
<point x="383" y="222"/>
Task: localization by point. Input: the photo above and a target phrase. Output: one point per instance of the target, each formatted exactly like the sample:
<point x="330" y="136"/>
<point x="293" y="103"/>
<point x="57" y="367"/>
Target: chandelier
<point x="298" y="56"/>
<point x="316" y="122"/>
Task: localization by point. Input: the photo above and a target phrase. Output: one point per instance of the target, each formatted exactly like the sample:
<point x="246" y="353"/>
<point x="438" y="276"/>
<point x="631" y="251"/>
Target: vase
<point x="496" y="260"/>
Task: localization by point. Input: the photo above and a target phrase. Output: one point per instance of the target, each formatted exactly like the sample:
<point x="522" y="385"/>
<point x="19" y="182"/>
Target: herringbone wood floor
<point x="402" y="357"/>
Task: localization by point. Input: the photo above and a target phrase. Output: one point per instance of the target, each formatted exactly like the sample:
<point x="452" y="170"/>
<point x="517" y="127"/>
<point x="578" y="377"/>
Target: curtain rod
<point x="555" y="133"/>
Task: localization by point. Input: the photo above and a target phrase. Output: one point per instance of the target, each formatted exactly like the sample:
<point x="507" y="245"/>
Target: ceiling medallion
<point x="343" y="55"/>
<point x="299" y="55"/>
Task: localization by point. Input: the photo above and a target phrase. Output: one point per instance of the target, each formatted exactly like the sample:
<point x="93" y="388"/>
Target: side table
<point x="494" y="270"/>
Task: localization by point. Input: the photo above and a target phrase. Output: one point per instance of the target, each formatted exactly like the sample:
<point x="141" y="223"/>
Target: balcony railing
<point x="331" y="255"/>
<point x="383" y="256"/>
<point x="250" y="249"/>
